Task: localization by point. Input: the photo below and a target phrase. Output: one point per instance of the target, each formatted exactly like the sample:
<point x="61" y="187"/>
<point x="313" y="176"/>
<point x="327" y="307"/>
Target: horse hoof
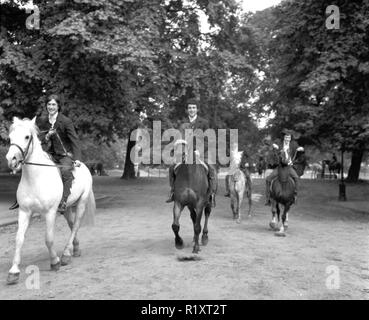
<point x="273" y="225"/>
<point x="285" y="226"/>
<point x="280" y="234"/>
<point x="196" y="250"/>
<point x="13" y="278"/>
<point x="204" y="240"/>
<point x="77" y="252"/>
<point x="55" y="267"/>
<point x="238" y="221"/>
<point x="65" y="260"/>
<point x="179" y="244"/>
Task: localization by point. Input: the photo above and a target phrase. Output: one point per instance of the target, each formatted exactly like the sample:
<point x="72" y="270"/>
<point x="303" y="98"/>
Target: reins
<point x="25" y="154"/>
<point x="46" y="165"/>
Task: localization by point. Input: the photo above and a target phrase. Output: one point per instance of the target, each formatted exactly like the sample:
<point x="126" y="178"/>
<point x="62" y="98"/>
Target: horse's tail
<point x="89" y="214"/>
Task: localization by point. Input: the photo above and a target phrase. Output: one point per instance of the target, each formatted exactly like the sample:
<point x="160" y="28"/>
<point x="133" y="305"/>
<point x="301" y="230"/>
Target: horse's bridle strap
<point x="20" y="149"/>
<point x="24" y="153"/>
<point x="47" y="165"/>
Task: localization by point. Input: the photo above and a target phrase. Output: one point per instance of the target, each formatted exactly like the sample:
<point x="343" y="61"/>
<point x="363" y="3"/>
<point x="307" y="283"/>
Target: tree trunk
<point x="129" y="168"/>
<point x="354" y="171"/>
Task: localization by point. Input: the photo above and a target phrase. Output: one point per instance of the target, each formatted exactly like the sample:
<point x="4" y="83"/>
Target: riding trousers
<point x="66" y="174"/>
<point x="212" y="178"/>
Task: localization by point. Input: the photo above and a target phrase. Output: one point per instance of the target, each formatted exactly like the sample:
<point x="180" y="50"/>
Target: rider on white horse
<point x="62" y="142"/>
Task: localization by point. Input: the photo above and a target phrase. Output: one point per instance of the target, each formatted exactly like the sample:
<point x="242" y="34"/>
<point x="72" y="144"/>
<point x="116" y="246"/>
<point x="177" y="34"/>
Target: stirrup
<point x="227" y="195"/>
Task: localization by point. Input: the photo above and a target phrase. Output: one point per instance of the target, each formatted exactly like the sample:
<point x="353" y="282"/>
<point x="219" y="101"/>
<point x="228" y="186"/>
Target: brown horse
<point x="282" y="191"/>
<point x="191" y="190"/>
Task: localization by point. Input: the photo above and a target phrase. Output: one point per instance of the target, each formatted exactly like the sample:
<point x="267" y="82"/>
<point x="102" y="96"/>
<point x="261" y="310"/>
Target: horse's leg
<point x="50" y="218"/>
<point x="233" y="205"/>
<point x="23" y="223"/>
<point x="204" y="238"/>
<point x="239" y="203"/>
<point x="177" y="209"/>
<point x="273" y="224"/>
<point x="249" y="195"/>
<point x="193" y="218"/>
<point x="197" y="228"/>
<point x="70" y="217"/>
<point x="286" y="221"/>
<point x="67" y="253"/>
<point x="281" y="232"/>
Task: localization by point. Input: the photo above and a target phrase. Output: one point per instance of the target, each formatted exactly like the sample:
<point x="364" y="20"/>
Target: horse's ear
<point x="16" y="120"/>
<point x="34" y="120"/>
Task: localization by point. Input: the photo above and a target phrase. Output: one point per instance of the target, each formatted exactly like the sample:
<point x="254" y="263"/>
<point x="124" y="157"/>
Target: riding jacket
<point x="64" y="141"/>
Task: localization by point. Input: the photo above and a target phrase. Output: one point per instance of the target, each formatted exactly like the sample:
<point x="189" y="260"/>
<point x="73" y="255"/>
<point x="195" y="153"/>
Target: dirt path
<point x="130" y="254"/>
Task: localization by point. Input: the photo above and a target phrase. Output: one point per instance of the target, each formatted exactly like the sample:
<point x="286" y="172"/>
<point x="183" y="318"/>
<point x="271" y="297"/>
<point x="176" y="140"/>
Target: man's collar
<point x="193" y="118"/>
<point x="54" y="117"/>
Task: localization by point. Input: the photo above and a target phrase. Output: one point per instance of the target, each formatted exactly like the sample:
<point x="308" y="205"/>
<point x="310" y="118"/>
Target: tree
<point x="317" y="78"/>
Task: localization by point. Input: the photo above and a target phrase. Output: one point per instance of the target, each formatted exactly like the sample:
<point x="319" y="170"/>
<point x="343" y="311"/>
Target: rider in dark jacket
<point x="288" y="150"/>
<point x="58" y="137"/>
<point x="195" y="122"/>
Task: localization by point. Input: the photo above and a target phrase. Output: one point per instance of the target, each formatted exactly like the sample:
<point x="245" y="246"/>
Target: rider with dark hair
<point x="59" y="138"/>
<point x="195" y="122"/>
<point x="287" y="150"/>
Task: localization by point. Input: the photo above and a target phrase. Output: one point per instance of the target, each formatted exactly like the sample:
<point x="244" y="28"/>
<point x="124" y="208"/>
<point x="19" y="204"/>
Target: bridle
<point x="23" y="152"/>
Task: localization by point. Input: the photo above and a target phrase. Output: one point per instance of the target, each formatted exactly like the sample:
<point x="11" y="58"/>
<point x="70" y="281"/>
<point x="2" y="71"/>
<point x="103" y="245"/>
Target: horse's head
<point x="181" y="146"/>
<point x="283" y="159"/>
<point x="235" y="159"/>
<point x="22" y="135"/>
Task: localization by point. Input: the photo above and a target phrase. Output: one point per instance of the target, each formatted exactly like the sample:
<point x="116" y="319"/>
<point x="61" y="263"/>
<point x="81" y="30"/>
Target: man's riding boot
<point x="171" y="184"/>
<point x="14" y="206"/>
<point x="171" y="196"/>
<point x="295" y="193"/>
<point x="267" y="194"/>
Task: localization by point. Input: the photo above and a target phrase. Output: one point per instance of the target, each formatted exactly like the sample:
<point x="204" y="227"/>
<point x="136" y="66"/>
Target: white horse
<point x="237" y="183"/>
<point x="40" y="190"/>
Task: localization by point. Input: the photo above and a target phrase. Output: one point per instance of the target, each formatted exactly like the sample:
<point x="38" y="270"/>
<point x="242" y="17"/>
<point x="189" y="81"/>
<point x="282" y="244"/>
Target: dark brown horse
<point x="191" y="190"/>
<point x="282" y="191"/>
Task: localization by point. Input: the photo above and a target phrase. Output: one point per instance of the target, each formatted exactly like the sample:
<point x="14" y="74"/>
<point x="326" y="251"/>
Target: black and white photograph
<point x="179" y="152"/>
